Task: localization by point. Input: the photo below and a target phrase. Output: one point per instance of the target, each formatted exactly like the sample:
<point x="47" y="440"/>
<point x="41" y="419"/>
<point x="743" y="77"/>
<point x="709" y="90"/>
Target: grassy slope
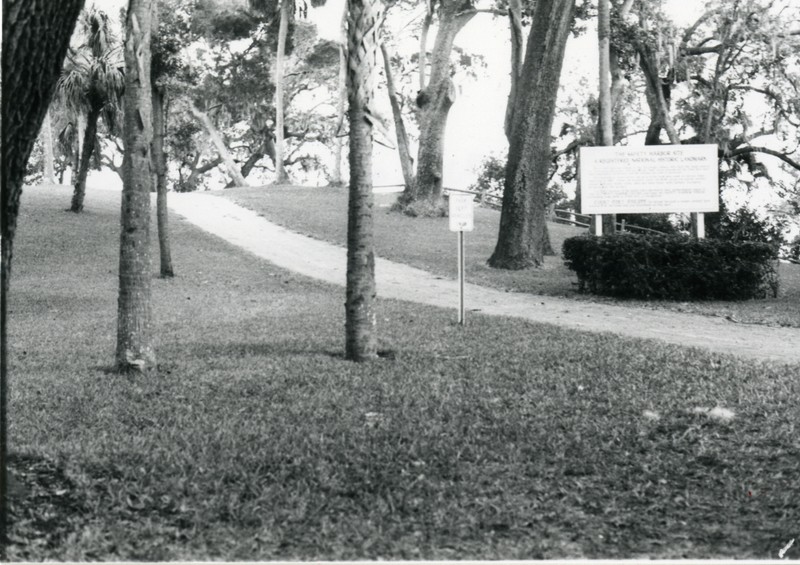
<point x="426" y="243"/>
<point x="504" y="439"/>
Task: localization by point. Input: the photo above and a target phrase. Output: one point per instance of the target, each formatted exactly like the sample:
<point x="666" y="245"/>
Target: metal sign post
<point x="461" y="264"/>
<point x="461" y="215"/>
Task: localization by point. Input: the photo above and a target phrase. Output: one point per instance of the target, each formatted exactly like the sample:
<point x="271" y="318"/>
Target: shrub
<point x="792" y="251"/>
<point x="420" y="208"/>
<point x="746" y="225"/>
<point x="657" y="222"/>
<point x="671" y="267"/>
<point x="492" y="176"/>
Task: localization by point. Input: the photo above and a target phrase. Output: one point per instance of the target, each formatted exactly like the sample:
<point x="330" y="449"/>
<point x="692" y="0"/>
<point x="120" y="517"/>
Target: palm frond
<point x="97" y="31"/>
<point x="112" y="116"/>
<point x="108" y="81"/>
<point x="67" y="137"/>
<point x="72" y="88"/>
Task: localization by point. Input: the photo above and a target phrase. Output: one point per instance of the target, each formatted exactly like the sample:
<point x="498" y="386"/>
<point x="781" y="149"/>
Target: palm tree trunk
<point x="160" y="166"/>
<point x="135" y="349"/>
<point x="280" y="148"/>
<point x="49" y="159"/>
<point x="87" y="149"/>
<point x="406" y="162"/>
<point x="361" y="341"/>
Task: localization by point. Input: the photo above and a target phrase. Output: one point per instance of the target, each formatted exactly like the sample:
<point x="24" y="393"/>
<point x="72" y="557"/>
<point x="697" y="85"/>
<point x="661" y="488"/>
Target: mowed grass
<point x="257" y="441"/>
<point x="427" y="243"/>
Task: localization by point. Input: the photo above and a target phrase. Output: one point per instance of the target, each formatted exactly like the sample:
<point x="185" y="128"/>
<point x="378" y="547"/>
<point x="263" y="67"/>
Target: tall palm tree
<point x="364" y="21"/>
<point x="135" y="347"/>
<point x="91" y="85"/>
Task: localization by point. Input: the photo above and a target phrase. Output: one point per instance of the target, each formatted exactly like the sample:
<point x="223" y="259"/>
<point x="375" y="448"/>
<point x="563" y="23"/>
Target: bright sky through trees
<point x="475" y="125"/>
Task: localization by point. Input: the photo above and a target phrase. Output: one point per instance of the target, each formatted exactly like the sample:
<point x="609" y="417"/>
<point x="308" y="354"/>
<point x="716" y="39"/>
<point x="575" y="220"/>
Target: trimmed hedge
<point x="672" y="267"/>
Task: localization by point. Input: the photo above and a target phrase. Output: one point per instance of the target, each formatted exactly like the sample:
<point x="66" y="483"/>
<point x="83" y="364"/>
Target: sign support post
<point x="598" y="224"/>
<point x="699" y="224"/>
<point x="461" y="264"/>
<point x="461" y="219"/>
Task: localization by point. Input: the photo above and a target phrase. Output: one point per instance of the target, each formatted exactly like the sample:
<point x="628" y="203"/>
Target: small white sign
<point x="649" y="179"/>
<point x="461" y="212"/>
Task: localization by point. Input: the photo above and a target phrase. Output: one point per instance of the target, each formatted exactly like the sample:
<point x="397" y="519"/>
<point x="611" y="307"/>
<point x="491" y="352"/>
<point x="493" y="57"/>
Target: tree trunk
<point x="6" y="251"/>
<point x="219" y="144"/>
<point x="87" y="149"/>
<point x="434" y="103"/>
<point x="647" y="62"/>
<point x="515" y="25"/>
<point x="659" y="108"/>
<point x="605" y="122"/>
<point x="135" y="348"/>
<point x="523" y="234"/>
<point x="280" y="144"/>
<point x="76" y="153"/>
<point x="422" y="59"/>
<point x="160" y="166"/>
<point x="36" y="35"/>
<point x="341" y="104"/>
<point x="47" y="150"/>
<point x="406" y="162"/>
<point x="267" y="148"/>
<point x="190" y="184"/>
<point x="361" y="342"/>
<point x="618" y="80"/>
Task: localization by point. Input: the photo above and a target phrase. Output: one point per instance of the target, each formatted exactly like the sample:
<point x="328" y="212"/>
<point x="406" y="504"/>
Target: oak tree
<point x="36" y="36"/>
<point x="523" y="237"/>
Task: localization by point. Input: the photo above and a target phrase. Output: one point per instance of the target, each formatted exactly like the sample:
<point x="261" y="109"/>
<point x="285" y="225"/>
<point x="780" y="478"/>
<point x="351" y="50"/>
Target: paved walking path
<point x="327" y="262"/>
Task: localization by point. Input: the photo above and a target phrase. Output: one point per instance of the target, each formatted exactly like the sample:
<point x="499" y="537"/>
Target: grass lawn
<point x="256" y="440"/>
<point x="426" y="243"/>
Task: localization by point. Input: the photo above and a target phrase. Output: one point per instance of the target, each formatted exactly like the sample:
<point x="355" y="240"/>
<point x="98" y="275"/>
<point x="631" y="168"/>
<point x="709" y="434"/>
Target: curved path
<point x="325" y="261"/>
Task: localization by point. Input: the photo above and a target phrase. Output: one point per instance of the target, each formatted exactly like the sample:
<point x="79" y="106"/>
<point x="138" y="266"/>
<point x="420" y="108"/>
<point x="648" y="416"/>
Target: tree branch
<point x="786" y="113"/>
<point x="700" y="50"/>
<point x="472" y="11"/>
<point x="626" y="8"/>
<point x="207" y="166"/>
<point x="753" y="149"/>
<point x="572" y="146"/>
<point x="687" y="35"/>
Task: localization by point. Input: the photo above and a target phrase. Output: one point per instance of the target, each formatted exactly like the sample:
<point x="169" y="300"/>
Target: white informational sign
<point x="461" y="212"/>
<point x="649" y="179"/>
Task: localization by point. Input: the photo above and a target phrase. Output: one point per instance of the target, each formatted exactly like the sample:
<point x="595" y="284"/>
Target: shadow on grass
<point x="277" y="349"/>
<point x="257" y="349"/>
<point x="44" y="508"/>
